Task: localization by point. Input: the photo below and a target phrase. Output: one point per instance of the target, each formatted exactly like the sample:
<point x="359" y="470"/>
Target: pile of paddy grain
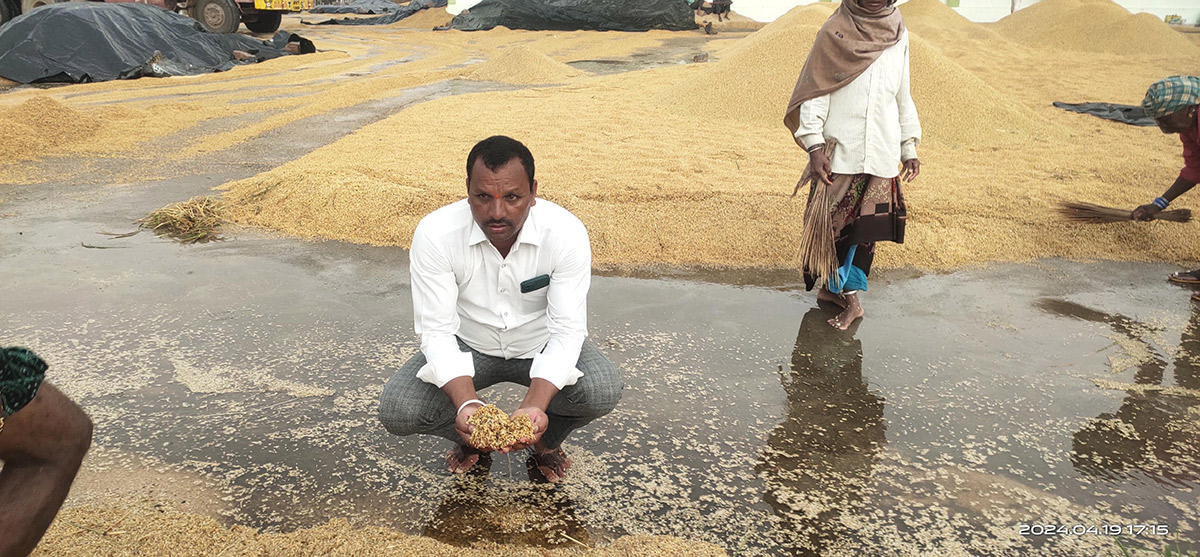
<point x="956" y="107"/>
<point x="40" y="125"/>
<point x="730" y="22"/>
<point x="1094" y="26"/>
<point x="522" y="65"/>
<point x="85" y="531"/>
<point x="754" y="80"/>
<point x="935" y="21"/>
<point x="426" y="19"/>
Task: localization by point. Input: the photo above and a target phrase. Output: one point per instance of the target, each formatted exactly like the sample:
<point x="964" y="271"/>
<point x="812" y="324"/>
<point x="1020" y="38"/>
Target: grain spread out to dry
<point x="493" y="429"/>
<point x="690" y="165"/>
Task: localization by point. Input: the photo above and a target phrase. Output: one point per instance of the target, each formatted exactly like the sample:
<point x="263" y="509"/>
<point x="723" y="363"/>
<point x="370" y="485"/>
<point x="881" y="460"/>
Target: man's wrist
<point x="1161" y="202"/>
<point x="465" y="404"/>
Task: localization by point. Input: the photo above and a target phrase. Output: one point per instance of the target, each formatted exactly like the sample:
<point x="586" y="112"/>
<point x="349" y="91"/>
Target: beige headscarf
<point x="851" y="39"/>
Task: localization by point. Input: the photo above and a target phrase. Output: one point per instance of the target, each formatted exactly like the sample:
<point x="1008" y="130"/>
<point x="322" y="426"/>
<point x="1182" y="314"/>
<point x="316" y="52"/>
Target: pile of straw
<point x="190" y="221"/>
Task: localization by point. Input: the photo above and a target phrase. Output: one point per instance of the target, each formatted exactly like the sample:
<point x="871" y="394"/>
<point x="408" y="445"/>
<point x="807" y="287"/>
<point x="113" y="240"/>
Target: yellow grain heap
<point x="755" y="79"/>
<point x="41" y="124"/>
<point x="426" y="19"/>
<point x="495" y="430"/>
<point x="523" y="65"/>
<point x="731" y="22"/>
<point x="934" y="20"/>
<point x="1094" y="26"/>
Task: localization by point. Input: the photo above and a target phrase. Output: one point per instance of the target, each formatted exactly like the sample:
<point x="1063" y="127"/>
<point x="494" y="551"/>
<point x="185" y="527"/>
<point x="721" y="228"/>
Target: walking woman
<point x="853" y="113"/>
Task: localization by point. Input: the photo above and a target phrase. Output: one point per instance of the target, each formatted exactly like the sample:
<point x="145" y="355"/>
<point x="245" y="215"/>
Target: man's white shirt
<point x="873" y="118"/>
<point x="462" y="287"/>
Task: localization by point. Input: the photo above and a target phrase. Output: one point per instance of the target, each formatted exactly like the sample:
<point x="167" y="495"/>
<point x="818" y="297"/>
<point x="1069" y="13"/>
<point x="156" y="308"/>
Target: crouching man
<point x="499" y="286"/>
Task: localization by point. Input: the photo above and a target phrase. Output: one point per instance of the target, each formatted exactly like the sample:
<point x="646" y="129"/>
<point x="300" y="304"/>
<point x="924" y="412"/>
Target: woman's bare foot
<point x="552" y="464"/>
<point x="852" y="312"/>
<point x="837" y="299"/>
<point x="462" y="458"/>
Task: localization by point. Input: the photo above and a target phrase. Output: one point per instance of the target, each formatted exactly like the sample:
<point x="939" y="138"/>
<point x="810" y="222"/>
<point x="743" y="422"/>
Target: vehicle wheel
<point x="266" y="22"/>
<point x="217" y="16"/>
<point x="28" y="5"/>
<point x="8" y="10"/>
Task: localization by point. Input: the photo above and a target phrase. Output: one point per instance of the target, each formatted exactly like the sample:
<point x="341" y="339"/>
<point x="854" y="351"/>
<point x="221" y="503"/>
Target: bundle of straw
<point x="1088" y="212"/>
<point x="818" y="255"/>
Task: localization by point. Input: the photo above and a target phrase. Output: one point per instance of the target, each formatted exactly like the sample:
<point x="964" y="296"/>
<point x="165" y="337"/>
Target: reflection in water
<point x="1153" y="433"/>
<point x="479" y="510"/>
<point x="817" y="460"/>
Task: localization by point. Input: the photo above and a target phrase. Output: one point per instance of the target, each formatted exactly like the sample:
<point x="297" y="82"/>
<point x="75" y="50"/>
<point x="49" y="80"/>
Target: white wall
<point x="979" y="10"/>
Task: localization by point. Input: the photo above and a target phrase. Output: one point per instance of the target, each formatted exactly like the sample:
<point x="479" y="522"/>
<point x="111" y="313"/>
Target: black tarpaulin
<point x="570" y="15"/>
<point x="358" y="7"/>
<point x="93" y="41"/>
<point x="400" y="13"/>
<point x="1132" y="115"/>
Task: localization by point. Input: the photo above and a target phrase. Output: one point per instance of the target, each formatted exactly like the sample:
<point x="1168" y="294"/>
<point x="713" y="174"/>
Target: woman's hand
<point x="820" y="164"/>
<point x="1146" y="212"/>
<point x="912" y="167"/>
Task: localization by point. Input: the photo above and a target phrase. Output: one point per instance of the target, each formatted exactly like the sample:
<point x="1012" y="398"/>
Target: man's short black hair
<point x="496" y="151"/>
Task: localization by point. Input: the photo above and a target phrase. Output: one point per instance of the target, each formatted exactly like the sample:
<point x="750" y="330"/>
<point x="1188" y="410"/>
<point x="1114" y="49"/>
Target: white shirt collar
<point x="529" y="234"/>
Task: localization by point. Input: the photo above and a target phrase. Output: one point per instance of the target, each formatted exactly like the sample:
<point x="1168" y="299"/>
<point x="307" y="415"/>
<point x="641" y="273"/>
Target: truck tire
<point x="9" y="9"/>
<point x="266" y="22"/>
<point x="28" y="5"/>
<point x="217" y="16"/>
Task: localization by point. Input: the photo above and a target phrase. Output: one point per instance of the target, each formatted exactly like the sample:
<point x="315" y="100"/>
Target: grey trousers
<point x="409" y="405"/>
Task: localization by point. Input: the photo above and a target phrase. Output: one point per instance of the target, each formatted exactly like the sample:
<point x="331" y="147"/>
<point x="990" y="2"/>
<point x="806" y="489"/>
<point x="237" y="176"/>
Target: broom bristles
<point x="1092" y="213"/>
<point x="818" y="255"/>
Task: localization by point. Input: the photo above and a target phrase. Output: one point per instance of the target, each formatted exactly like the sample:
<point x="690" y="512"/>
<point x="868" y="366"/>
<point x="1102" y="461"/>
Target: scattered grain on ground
<point x="119" y="532"/>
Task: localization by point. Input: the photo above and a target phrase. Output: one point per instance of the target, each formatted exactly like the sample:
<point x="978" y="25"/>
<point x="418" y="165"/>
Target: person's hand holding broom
<point x="819" y="162"/>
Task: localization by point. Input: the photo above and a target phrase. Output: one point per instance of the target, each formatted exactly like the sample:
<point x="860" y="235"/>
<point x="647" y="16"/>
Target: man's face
<point x="292" y="48"/>
<point x="500" y="200"/>
<point x="872" y="5"/>
<point x="1177" y="122"/>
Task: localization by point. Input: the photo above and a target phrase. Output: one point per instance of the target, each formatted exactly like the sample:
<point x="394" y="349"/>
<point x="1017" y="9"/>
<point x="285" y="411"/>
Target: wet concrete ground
<point x="961" y="408"/>
<point x="967" y="410"/>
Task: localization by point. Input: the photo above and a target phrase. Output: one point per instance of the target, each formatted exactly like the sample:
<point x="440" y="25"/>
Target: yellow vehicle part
<point x="284" y="5"/>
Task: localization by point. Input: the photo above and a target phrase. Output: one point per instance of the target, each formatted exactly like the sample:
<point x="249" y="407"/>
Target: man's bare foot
<point x="852" y="312"/>
<point x="825" y="295"/>
<point x="552" y="464"/>
<point x="462" y="458"/>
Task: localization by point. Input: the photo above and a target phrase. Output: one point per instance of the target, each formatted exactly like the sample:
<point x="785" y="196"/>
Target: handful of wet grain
<point x="495" y="430"/>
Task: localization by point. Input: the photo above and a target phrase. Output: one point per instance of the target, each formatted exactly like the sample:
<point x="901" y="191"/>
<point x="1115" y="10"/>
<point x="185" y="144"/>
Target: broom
<point x="1091" y="213"/>
<point x="818" y="256"/>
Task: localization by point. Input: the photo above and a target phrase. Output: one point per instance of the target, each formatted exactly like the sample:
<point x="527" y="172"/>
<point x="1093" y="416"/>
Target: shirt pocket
<point x="534" y="302"/>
